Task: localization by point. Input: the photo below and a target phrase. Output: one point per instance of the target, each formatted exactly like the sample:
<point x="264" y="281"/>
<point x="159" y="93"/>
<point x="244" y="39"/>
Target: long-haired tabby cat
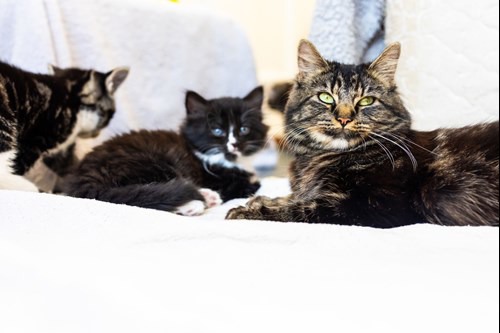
<point x="181" y="172"/>
<point x="358" y="162"/>
<point x="42" y="115"/>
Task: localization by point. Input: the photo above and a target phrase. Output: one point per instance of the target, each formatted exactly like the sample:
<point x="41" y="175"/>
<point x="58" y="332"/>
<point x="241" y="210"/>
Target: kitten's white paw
<point x="192" y="208"/>
<point x="212" y="198"/>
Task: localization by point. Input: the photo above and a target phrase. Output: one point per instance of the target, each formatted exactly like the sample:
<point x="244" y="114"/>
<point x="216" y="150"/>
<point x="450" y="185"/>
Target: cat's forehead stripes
<point x="347" y="84"/>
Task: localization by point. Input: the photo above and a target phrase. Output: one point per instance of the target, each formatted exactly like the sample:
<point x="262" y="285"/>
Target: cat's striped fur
<point x="358" y="162"/>
<point x="42" y="115"/>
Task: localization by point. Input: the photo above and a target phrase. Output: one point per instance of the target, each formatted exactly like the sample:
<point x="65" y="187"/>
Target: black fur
<point x="38" y="112"/>
<point x="164" y="170"/>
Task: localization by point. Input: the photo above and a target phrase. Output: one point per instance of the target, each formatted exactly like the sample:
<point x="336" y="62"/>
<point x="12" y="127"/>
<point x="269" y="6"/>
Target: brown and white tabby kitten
<point x="358" y="162"/>
<point x="181" y="172"/>
<point x="41" y="116"/>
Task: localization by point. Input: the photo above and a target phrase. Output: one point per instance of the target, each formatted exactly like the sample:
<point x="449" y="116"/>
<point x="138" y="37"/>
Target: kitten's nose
<point x="344" y="121"/>
<point x="231" y="148"/>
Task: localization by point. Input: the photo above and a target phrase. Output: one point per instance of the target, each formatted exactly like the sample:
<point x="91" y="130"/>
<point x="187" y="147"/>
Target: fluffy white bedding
<point x="77" y="265"/>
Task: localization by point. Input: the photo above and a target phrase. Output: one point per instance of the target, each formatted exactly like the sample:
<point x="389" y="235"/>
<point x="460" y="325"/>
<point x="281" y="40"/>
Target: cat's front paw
<point x="252" y="210"/>
<point x="256" y="203"/>
<point x="261" y="208"/>
<point x="243" y="213"/>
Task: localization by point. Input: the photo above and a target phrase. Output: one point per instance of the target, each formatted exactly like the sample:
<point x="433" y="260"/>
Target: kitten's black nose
<point x="344" y="121"/>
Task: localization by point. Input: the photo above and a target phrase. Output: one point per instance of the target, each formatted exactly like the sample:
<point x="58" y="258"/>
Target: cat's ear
<point x="309" y="59"/>
<point x="195" y="104"/>
<point x="255" y="98"/>
<point x="53" y="70"/>
<point x="384" y="67"/>
<point x="115" y="78"/>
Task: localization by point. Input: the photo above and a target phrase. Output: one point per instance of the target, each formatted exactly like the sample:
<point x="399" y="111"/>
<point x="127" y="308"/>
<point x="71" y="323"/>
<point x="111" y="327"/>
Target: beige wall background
<point x="274" y="28"/>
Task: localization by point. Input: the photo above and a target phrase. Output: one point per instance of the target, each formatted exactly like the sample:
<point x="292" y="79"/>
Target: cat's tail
<point x="178" y="195"/>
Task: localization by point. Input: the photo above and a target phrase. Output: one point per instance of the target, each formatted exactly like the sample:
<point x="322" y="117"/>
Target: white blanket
<point x="74" y="265"/>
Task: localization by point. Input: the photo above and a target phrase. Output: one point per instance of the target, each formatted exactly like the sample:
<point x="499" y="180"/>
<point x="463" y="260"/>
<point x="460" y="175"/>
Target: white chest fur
<point x="216" y="159"/>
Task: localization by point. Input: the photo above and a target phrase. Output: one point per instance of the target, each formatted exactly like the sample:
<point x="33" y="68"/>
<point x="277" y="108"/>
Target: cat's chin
<point x="231" y="157"/>
<point x="340" y="144"/>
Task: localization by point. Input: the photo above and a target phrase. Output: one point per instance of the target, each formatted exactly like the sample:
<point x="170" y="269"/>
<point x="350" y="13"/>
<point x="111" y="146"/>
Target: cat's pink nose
<point x="344" y="121"/>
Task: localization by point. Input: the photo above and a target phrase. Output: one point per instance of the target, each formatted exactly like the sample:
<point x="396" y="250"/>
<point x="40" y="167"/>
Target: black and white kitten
<point x="181" y="172"/>
<point x="43" y="115"/>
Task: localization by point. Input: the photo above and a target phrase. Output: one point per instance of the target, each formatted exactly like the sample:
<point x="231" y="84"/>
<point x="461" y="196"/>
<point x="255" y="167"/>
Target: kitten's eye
<point x="366" y="101"/>
<point x="326" y="98"/>
<point x="218" y="132"/>
<point x="244" y="130"/>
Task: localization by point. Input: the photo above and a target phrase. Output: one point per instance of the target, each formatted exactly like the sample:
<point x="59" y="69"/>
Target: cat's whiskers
<point x="214" y="151"/>
<point x="403" y="146"/>
<point x="257" y="141"/>
<point x="292" y="138"/>
<point x="386" y="150"/>
<point x="280" y="130"/>
<point x="210" y="149"/>
<point x="206" y="166"/>
<point x="411" y="142"/>
<point x="365" y="144"/>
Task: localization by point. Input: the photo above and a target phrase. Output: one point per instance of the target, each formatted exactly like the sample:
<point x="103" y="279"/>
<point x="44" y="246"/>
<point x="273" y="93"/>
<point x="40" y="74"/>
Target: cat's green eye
<point x="219" y="132"/>
<point x="326" y="98"/>
<point x="244" y="130"/>
<point x="366" y="101"/>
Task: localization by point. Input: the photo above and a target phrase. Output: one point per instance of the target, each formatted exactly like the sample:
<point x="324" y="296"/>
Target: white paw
<point x="192" y="208"/>
<point x="212" y="198"/>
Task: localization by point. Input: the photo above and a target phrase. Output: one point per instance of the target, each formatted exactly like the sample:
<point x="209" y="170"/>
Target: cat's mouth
<point x="231" y="157"/>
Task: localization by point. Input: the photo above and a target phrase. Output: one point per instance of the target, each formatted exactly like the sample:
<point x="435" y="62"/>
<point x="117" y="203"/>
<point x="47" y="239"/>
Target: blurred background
<point x="273" y="29"/>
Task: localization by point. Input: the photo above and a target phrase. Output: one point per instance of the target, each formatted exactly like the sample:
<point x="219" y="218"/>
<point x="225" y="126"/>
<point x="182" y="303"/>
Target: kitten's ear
<point x="53" y="70"/>
<point x="255" y="98"/>
<point x="310" y="60"/>
<point x="384" y="67"/>
<point x="195" y="104"/>
<point x="115" y="78"/>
